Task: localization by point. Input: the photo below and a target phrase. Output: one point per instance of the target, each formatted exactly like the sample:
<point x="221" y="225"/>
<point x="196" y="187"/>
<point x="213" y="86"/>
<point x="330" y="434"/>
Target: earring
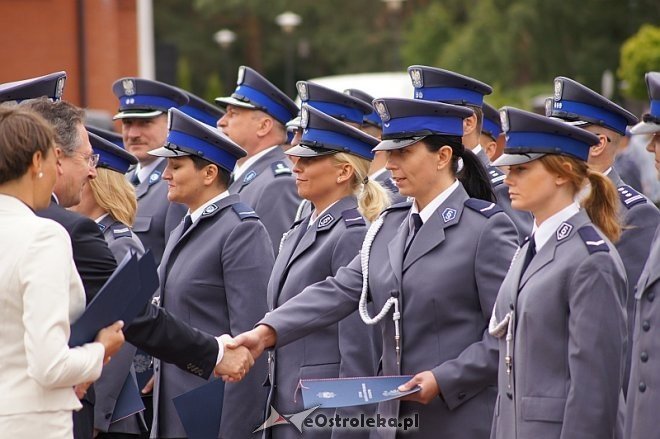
<point x="40" y="175"/>
<point x="339" y="180"/>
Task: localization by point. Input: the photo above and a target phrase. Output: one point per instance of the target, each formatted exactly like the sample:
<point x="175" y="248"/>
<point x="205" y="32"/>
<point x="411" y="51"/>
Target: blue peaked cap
<point x="406" y="121"/>
<point x="256" y="92"/>
<point x="651" y="120"/>
<point x="144" y="98"/>
<point x="201" y="110"/>
<point x="50" y="86"/>
<point x="188" y="136"/>
<point x="371" y="118"/>
<point x="333" y="103"/>
<point x="323" y="134"/>
<point x="574" y="102"/>
<point x="491" y="122"/>
<point x="434" y="84"/>
<point x="111" y="156"/>
<point x="111" y="136"/>
<point x="530" y="136"/>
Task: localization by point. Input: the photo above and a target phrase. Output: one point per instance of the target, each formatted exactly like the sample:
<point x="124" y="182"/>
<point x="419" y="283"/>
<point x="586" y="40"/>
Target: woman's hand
<point x="427" y="382"/>
<point x="112" y="338"/>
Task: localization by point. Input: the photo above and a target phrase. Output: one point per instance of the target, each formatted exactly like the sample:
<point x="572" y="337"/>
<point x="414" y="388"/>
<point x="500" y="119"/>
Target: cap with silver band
<point x="530" y="136"/>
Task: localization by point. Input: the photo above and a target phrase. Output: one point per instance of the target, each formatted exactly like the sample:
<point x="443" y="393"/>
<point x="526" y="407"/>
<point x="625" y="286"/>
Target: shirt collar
<point x="426" y="213"/>
<point x="57" y="200"/>
<point x="314" y="216"/>
<point x="101" y="218"/>
<point x="607" y="171"/>
<point x="194" y="216"/>
<point x="240" y="170"/>
<point x="544" y="232"/>
<point x="144" y="172"/>
<point x="477" y="149"/>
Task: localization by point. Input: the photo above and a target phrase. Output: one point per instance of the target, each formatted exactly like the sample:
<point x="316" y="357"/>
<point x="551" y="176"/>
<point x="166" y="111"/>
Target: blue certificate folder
<point x="348" y="392"/>
<point x="200" y="410"/>
<point x="123" y="297"/>
<point x="129" y="400"/>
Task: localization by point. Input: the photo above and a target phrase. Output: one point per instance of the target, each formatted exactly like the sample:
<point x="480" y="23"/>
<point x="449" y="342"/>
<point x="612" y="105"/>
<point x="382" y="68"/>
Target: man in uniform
<point x="433" y="84"/>
<point x="579" y="105"/>
<point x="257" y="113"/>
<point x="143" y="106"/>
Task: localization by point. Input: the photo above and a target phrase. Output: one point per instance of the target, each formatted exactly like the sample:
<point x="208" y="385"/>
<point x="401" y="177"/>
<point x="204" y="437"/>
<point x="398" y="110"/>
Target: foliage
<point x="639" y="54"/>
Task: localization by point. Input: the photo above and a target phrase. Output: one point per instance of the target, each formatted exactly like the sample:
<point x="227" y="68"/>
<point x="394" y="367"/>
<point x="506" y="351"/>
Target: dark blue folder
<point x="200" y="410"/>
<point x="122" y="297"/>
<point x="129" y="400"/>
<point x="348" y="392"/>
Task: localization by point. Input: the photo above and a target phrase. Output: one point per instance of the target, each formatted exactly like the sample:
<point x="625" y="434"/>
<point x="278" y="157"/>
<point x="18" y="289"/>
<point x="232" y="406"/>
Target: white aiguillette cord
<point x="392" y="301"/>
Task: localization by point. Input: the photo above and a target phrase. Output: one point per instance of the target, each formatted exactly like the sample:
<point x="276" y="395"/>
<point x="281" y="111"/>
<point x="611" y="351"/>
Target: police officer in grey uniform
<point x="433" y="84"/>
<point x="121" y="240"/>
<point x="143" y="106"/>
<point x="431" y="267"/>
<point x="490" y="132"/>
<point x="577" y="104"/>
<point x="315" y="248"/>
<point x="644" y="387"/>
<point x="256" y="115"/>
<point x="214" y="271"/>
<point x="560" y="325"/>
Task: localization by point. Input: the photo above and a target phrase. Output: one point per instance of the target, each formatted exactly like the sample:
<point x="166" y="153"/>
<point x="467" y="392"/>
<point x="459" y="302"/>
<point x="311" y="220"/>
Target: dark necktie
<point x="529" y="255"/>
<point x="187" y="222"/>
<point x="417" y="224"/>
<point x="135" y="179"/>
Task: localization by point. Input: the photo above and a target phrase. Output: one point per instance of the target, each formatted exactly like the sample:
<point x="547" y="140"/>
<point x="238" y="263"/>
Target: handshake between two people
<point x="242" y="351"/>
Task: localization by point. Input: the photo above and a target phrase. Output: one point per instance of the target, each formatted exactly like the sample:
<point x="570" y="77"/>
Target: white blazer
<point x="40" y="293"/>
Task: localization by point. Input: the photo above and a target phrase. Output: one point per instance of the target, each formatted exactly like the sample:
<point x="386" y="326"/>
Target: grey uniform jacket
<point x="156" y="216"/>
<point x="120" y="240"/>
<point x="309" y="255"/>
<point x="643" y="401"/>
<point x="568" y="332"/>
<point x="524" y="221"/>
<point x="639" y="218"/>
<point x="214" y="277"/>
<point x="446" y="284"/>
<point x="269" y="186"/>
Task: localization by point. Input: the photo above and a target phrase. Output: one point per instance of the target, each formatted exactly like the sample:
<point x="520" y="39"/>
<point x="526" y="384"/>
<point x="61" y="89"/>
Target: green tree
<point x="639" y="54"/>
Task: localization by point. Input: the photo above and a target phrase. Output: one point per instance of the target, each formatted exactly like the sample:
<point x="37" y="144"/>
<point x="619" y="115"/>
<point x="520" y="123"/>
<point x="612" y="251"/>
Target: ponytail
<point x="473" y="175"/>
<point x="372" y="197"/>
<point x="602" y="205"/>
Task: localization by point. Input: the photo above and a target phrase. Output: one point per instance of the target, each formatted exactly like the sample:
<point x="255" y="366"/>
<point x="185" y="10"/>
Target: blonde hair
<point x="115" y="194"/>
<point x="372" y="197"/>
<point x="602" y="204"/>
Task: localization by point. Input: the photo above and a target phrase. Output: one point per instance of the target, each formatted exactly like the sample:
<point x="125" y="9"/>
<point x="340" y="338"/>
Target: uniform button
<point x="108" y="415"/>
<point x="651" y="296"/>
<point x="644" y="357"/>
<point x="646" y="325"/>
<point x="461" y="396"/>
<point x="509" y="395"/>
<point x="511" y="306"/>
<point x="642" y="387"/>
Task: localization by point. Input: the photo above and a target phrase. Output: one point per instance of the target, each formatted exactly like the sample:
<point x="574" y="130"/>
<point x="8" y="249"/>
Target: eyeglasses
<point x="92" y="159"/>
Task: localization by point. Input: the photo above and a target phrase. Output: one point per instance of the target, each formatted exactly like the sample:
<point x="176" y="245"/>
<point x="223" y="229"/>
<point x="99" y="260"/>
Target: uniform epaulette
<point x="485" y="208"/>
<point x="280" y="168"/>
<point x="244" y="211"/>
<point x="120" y="231"/>
<point x="629" y="196"/>
<point x="352" y="217"/>
<point x="593" y="240"/>
<point x="496" y="176"/>
<point x="399" y="206"/>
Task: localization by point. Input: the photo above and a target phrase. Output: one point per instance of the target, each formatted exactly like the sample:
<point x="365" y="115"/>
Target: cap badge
<point x="241" y="75"/>
<point x="548" y="107"/>
<point x="559" y="85"/>
<point x="504" y="120"/>
<point x="302" y="91"/>
<point x="60" y="87"/>
<point x="416" y="77"/>
<point x="381" y="109"/>
<point x="304" y="118"/>
<point x="563" y="231"/>
<point x="448" y="214"/>
<point x="129" y="87"/>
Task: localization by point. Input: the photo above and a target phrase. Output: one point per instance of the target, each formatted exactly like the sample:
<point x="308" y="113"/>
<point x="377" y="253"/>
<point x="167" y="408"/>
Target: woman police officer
<point x="438" y="261"/>
<point x="560" y="324"/>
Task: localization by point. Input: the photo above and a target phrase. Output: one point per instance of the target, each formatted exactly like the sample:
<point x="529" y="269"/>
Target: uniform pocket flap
<point x="142" y="224"/>
<point x="318" y="371"/>
<point x="536" y="408"/>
